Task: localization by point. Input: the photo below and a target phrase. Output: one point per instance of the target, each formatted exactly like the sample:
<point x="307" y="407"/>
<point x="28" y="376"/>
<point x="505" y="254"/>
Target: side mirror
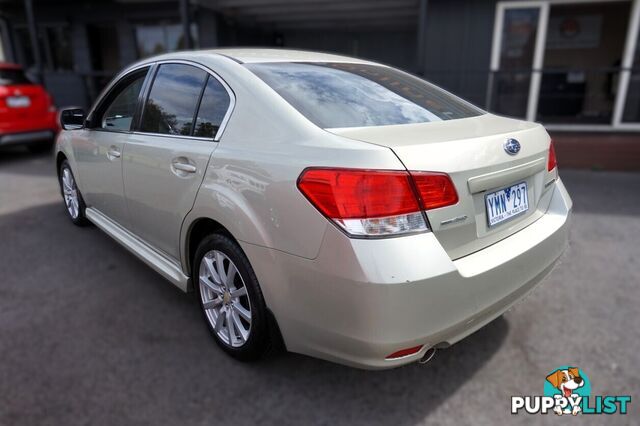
<point x="72" y="119"/>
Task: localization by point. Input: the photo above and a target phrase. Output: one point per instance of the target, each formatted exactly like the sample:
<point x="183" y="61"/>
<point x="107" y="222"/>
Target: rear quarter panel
<point x="250" y="183"/>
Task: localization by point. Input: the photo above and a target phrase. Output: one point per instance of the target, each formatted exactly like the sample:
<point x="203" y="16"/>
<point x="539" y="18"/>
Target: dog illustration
<point x="566" y="381"/>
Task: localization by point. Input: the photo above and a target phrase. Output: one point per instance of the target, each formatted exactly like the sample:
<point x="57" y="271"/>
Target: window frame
<point x="93" y="121"/>
<point x="146" y="90"/>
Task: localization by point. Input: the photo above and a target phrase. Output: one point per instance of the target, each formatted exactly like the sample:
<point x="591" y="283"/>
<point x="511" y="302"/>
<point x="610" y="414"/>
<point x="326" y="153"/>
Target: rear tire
<point x="230" y="298"/>
<point x="73" y="201"/>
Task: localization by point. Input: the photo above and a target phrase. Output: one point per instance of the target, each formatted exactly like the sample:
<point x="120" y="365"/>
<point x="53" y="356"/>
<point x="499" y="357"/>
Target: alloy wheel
<point x="225" y="299"/>
<point x="70" y="192"/>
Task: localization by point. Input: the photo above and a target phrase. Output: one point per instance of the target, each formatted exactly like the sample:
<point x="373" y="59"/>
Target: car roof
<point x="9" y="66"/>
<point x="282" y="55"/>
<point x="257" y="55"/>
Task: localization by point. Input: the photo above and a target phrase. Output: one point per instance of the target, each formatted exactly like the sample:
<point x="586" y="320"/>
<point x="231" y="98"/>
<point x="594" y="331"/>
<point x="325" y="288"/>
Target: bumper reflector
<point x="404" y="352"/>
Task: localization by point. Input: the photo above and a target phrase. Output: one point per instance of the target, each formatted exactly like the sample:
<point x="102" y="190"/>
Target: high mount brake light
<point x="370" y="203"/>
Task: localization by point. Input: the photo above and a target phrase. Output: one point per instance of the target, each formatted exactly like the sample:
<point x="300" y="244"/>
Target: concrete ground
<point x="90" y="335"/>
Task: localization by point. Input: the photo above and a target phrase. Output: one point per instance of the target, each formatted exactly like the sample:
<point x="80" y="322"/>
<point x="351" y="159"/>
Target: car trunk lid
<point x="472" y="152"/>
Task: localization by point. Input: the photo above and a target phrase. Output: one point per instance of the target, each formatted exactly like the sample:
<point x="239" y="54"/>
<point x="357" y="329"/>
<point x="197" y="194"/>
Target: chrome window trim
<point x="102" y="129"/>
<point x="164" y="135"/>
<point x="211" y="73"/>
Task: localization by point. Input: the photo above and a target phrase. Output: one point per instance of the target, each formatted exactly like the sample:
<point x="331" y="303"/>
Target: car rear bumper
<point x="361" y="300"/>
<point x="24" y="138"/>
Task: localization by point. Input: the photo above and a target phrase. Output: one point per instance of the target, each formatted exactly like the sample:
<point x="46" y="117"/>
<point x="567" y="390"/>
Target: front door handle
<point x="113" y="153"/>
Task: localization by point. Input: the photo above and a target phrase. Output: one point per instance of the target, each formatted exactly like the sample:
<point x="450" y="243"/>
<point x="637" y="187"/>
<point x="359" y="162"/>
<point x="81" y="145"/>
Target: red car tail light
<point x="364" y="202"/>
<point x="552" y="163"/>
<point x="435" y="189"/>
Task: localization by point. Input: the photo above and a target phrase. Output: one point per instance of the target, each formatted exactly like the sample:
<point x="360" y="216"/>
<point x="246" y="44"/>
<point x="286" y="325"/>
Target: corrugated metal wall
<point x="458" y="46"/>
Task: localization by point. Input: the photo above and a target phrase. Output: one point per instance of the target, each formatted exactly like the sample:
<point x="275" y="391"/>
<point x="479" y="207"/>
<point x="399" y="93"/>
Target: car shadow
<point x="402" y="396"/>
<point x="86" y="325"/>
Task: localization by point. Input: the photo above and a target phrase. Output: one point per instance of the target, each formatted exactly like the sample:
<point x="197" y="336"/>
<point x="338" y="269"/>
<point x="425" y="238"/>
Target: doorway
<point x="105" y="56"/>
<point x="582" y="60"/>
<point x="561" y="62"/>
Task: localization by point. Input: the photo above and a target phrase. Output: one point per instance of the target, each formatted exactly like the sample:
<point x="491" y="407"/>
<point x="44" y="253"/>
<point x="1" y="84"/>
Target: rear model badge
<point x="454" y="220"/>
<point x="511" y="146"/>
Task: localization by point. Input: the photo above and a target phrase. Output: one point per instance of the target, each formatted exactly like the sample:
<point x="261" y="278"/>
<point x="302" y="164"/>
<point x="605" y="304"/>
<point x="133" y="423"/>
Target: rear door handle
<point x="185" y="167"/>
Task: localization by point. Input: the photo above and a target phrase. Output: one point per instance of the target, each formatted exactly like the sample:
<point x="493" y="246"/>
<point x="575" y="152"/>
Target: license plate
<point x="18" y="101"/>
<point x="506" y="203"/>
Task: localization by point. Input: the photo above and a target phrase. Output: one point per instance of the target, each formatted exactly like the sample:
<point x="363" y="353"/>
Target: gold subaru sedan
<point x="342" y="207"/>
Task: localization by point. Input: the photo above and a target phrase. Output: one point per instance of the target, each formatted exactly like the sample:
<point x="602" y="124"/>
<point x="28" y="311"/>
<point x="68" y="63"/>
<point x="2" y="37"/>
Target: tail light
<point x="552" y="163"/>
<point x="435" y="189"/>
<point x="51" y="107"/>
<point x="370" y="203"/>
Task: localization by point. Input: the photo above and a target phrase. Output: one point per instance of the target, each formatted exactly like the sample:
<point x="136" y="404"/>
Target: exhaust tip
<point x="428" y="355"/>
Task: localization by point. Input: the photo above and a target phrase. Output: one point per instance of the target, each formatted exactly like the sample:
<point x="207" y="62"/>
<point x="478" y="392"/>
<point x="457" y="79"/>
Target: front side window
<point x="334" y="95"/>
<point x="213" y="108"/>
<point x="118" y="115"/>
<point x="172" y="102"/>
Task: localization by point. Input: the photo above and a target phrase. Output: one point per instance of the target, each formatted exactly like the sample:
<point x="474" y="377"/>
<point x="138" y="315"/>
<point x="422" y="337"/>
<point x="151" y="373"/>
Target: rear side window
<point x="10" y="77"/>
<point x="213" y="108"/>
<point x="172" y="102"/>
<point x="334" y="95"/>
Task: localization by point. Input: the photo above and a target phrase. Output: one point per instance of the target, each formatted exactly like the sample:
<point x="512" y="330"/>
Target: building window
<point x="55" y="47"/>
<point x="24" y="51"/>
<point x="561" y="63"/>
<point x="153" y="39"/>
<point x="58" y="48"/>
<point x="512" y="82"/>
<point x="582" y="59"/>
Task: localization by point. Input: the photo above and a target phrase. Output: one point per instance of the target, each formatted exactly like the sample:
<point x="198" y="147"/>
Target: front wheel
<point x="71" y="194"/>
<point x="231" y="299"/>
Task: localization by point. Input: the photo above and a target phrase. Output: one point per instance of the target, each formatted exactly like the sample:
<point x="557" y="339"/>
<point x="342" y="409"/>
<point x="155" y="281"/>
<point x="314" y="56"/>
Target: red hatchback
<point x="27" y="112"/>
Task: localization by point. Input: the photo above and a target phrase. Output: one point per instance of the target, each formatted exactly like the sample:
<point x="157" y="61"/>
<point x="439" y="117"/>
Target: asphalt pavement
<point x="90" y="335"/>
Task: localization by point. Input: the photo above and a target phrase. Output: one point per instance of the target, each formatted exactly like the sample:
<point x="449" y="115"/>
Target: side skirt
<point x="162" y="264"/>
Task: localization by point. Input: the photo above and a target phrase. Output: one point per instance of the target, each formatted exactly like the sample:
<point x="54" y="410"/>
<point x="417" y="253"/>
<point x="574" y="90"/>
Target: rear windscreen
<point x="9" y="77"/>
<point x="334" y="95"/>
